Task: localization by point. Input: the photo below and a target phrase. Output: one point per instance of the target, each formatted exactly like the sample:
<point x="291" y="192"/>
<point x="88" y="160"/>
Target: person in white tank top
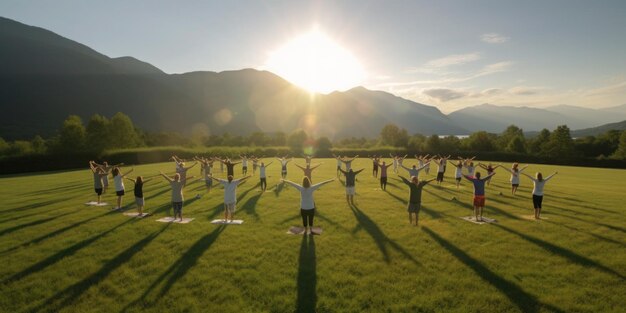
<point x="538" y="184"/>
<point x="515" y="175"/>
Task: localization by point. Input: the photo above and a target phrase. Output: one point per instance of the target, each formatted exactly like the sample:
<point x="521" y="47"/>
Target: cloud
<point x="486" y="70"/>
<point x="443" y="94"/>
<point x="525" y="91"/>
<point x="435" y="66"/>
<point x="493" y="38"/>
<point x="491" y="92"/>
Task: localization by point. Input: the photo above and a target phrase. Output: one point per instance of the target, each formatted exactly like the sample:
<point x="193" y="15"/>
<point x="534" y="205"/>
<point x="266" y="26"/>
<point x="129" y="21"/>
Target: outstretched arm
<point x="488" y="176"/>
<point x="468" y="178"/>
<point x="166" y="177"/>
<point x="359" y="171"/>
<point x="134" y="181"/>
<point x="523" y="168"/>
<point x="344" y="172"/>
<point x="322" y="183"/>
<point x="186" y="168"/>
<point x="302" y="168"/>
<point x="316" y="166"/>
<point x="132" y="169"/>
<point x="531" y="178"/>
<point x="548" y="178"/>
<point x="423" y="166"/>
<point x="404" y="180"/>
<point x="292" y="183"/>
<point x="268" y="164"/>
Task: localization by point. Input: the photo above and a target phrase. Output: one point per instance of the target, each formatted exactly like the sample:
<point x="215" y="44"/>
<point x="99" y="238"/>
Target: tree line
<point x="101" y="134"/>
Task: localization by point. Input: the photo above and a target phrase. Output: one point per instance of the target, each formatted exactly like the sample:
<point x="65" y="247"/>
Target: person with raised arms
<point x="348" y="161"/>
<point x="138" y="191"/>
<point x="479" y="194"/>
<point x="458" y="173"/>
<point x="255" y="164"/>
<point x="415" y="196"/>
<point x="470" y="168"/>
<point x="244" y="164"/>
<point x="441" y="168"/>
<point x="375" y="160"/>
<point x="538" y="184"/>
<point x="307" y="204"/>
<point x="230" y="194"/>
<point x="230" y="166"/>
<point x="423" y="160"/>
<point x="106" y="168"/>
<point x="307" y="159"/>
<point x="206" y="171"/>
<point x="118" y="181"/>
<point x="182" y="170"/>
<point x="339" y="163"/>
<point x="263" y="176"/>
<point x="383" y="175"/>
<point x="283" y="166"/>
<point x="177" y="193"/>
<point x="413" y="170"/>
<point x="308" y="170"/>
<point x="98" y="176"/>
<point x="351" y="184"/>
<point x="515" y="172"/>
<point x="490" y="169"/>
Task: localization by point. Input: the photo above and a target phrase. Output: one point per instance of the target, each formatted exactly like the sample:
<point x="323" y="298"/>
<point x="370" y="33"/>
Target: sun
<point x="315" y="62"/>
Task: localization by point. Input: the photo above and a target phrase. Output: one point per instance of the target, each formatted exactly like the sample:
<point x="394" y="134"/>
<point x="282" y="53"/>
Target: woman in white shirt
<point x="307" y="205"/>
<point x="538" y="184"/>
<point x="118" y="180"/>
<point x="515" y="172"/>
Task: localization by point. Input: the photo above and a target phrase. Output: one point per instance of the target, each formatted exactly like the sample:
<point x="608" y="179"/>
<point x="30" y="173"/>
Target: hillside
<point x="594" y="131"/>
<point x="46" y="77"/>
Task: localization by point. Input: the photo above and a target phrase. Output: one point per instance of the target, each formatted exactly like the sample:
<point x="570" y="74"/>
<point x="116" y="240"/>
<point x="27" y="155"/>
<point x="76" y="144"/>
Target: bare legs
<point x="478" y="213"/>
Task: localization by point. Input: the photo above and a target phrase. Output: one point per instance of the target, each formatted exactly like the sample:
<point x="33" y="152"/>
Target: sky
<point x="450" y="54"/>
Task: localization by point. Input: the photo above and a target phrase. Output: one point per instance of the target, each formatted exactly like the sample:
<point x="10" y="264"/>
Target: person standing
<point x="230" y="194"/>
<point x="538" y="184"/>
<point x="350" y="184"/>
<point x="177" y="194"/>
<point x="138" y="191"/>
<point x="263" y="176"/>
<point x="415" y="196"/>
<point x="383" y="175"/>
<point x="118" y="180"/>
<point x="479" y="194"/>
<point x="98" y="175"/>
<point x="307" y="204"/>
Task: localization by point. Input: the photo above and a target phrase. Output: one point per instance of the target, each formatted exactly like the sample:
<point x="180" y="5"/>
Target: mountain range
<point x="46" y="77"/>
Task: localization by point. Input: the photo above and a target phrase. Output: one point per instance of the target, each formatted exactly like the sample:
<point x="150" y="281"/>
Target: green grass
<point x="58" y="255"/>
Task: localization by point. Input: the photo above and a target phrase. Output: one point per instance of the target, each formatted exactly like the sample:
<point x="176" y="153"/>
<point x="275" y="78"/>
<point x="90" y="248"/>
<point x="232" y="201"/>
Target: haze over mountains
<point x="46" y="77"/>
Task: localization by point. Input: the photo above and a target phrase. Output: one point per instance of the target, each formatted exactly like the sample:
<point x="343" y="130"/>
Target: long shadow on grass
<point x="563" y="252"/>
<point x="65" y="297"/>
<point x="306" y="299"/>
<point x="523" y="300"/>
<point x="56" y="190"/>
<point x="250" y="206"/>
<point x="177" y="270"/>
<point x="22" y="216"/>
<point x="617" y="242"/>
<point x="69" y="251"/>
<point x="278" y="189"/>
<point x="33" y="205"/>
<point x="381" y="240"/>
<point x="612" y="227"/>
<point x="33" y="223"/>
<point x="318" y="215"/>
<point x="54" y="233"/>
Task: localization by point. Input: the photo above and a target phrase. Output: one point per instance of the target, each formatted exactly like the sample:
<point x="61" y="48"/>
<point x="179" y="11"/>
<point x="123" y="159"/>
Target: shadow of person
<point x="307" y="276"/>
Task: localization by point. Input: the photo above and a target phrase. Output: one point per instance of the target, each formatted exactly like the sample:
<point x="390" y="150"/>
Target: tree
<point x="98" y="135"/>
<point x="395" y="136"/>
<point x="481" y="141"/>
<point x="509" y="134"/>
<point x="450" y="144"/>
<point x="516" y="145"/>
<point x="324" y="145"/>
<point x="433" y="144"/>
<point x="38" y="145"/>
<point x="560" y="144"/>
<point x="122" y="132"/>
<point x="538" y="143"/>
<point x="296" y="140"/>
<point x="620" y="153"/>
<point x="417" y="142"/>
<point x="279" y="139"/>
<point x="4" y="146"/>
<point x="72" y="135"/>
<point x="258" y="139"/>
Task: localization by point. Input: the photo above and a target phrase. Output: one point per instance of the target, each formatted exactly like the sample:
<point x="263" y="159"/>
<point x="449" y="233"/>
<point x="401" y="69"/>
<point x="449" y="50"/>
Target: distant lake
<point x="457" y="136"/>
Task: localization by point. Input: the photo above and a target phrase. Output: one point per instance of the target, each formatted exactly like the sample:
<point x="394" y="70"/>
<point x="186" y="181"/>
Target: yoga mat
<point x="171" y="220"/>
<point x="233" y="222"/>
<point x="135" y="214"/>
<point x="95" y="203"/>
<point x="473" y="220"/>
<point x="298" y="230"/>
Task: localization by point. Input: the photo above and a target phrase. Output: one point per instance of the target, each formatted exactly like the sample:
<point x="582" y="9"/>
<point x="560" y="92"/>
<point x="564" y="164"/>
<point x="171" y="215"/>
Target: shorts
<point x="479" y="201"/>
<point x="383" y="180"/>
<point x="458" y="178"/>
<point x="244" y="168"/>
<point x="350" y="191"/>
<point x="98" y="191"/>
<point x="208" y="182"/>
<point x="139" y="201"/>
<point x="414" y="207"/>
<point x="537" y="201"/>
<point x="338" y="167"/>
<point x="119" y="193"/>
<point x="230" y="207"/>
<point x="440" y="176"/>
<point x="178" y="208"/>
<point x="514" y="185"/>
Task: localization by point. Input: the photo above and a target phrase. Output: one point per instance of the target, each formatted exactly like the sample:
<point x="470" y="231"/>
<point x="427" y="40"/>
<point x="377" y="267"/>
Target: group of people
<point x="180" y="178"/>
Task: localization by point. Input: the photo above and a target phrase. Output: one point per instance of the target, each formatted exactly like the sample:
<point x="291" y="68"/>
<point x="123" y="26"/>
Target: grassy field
<point x="58" y="255"/>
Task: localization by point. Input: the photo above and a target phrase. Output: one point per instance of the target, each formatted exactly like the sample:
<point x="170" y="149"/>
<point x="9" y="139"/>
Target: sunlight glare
<point x="313" y="61"/>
